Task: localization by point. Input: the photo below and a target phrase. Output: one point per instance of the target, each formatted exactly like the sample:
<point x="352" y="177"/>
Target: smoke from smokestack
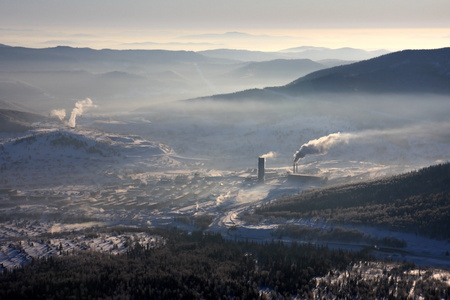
<point x="321" y="145"/>
<point x="271" y="154"/>
<point x="58" y="113"/>
<point x="78" y="110"/>
<point x="419" y="134"/>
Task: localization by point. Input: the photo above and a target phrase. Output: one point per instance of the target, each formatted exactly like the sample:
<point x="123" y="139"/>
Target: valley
<point x="88" y="180"/>
<point x="110" y="181"/>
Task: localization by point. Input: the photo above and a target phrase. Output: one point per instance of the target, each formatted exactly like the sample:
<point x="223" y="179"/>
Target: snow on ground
<point x="64" y="181"/>
<point x="20" y="252"/>
<point x="420" y="250"/>
<point x="378" y="271"/>
<point x="64" y="156"/>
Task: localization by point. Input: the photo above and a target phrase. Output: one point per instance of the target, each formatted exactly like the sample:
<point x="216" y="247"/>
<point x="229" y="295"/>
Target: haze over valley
<point x="122" y="153"/>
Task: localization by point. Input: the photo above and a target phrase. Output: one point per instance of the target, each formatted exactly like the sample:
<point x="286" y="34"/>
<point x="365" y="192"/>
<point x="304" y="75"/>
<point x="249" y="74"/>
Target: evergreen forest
<point x="416" y="202"/>
<point x="206" y="266"/>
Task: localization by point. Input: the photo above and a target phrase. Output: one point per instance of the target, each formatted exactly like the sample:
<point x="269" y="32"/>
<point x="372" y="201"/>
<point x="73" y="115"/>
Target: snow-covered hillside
<point x="64" y="156"/>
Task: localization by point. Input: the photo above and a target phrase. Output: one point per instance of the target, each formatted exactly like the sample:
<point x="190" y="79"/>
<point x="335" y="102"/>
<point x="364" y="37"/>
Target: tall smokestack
<point x="261" y="163"/>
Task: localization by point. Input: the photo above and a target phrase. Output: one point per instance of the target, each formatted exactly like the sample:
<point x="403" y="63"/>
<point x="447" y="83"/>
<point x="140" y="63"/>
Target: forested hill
<point x="408" y="71"/>
<point x="418" y="201"/>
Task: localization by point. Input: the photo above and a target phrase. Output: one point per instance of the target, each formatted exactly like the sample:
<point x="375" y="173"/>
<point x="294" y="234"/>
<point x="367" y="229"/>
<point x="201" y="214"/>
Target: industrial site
<point x="84" y="180"/>
<point x="359" y="174"/>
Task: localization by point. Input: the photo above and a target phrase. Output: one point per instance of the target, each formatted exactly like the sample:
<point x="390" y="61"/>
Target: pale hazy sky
<point x="202" y="24"/>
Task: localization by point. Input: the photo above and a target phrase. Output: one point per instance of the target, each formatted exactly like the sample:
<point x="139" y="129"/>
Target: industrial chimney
<point x="261" y="162"/>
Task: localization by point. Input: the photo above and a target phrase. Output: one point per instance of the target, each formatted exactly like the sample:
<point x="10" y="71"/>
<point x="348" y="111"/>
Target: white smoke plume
<point x="271" y="154"/>
<point x="321" y="145"/>
<point x="80" y="107"/>
<point x="58" y="113"/>
<point x="423" y="133"/>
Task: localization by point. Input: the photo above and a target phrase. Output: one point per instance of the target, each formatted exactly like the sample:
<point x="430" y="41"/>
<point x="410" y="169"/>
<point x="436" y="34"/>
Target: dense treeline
<point x="418" y="201"/>
<point x="189" y="267"/>
<point x="395" y="283"/>
<point x="200" y="266"/>
<point x="337" y="233"/>
<point x="199" y="221"/>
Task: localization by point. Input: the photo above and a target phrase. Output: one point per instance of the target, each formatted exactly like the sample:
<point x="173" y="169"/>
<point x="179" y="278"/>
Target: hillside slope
<point x="409" y="71"/>
<point x="48" y="157"/>
<point x="280" y="69"/>
<point x="417" y="202"/>
<point x="17" y="121"/>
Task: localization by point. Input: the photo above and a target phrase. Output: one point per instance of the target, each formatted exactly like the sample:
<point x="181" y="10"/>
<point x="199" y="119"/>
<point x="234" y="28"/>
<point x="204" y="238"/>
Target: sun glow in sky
<point x="203" y="24"/>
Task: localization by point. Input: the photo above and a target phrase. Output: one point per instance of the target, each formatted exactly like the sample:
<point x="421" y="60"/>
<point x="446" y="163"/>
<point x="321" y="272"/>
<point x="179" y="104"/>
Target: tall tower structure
<point x="261" y="166"/>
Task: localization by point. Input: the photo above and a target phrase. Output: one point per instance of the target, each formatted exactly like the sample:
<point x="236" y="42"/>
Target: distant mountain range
<point x="54" y="78"/>
<point x="278" y="68"/>
<point x="403" y="72"/>
<point x="9" y="56"/>
<point x="49" y="78"/>
<point x="321" y="53"/>
<point x="44" y="79"/>
<point x="273" y="72"/>
<point x="306" y="52"/>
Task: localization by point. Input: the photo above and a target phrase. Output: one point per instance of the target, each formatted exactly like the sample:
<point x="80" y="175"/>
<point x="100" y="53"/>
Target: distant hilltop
<point x="404" y="72"/>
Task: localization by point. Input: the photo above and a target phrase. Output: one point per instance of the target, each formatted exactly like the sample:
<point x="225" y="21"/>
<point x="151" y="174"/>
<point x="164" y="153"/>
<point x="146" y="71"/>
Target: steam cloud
<point x="58" y="113"/>
<point x="321" y="145"/>
<point x="424" y="133"/>
<point x="80" y="107"/>
<point x="271" y="154"/>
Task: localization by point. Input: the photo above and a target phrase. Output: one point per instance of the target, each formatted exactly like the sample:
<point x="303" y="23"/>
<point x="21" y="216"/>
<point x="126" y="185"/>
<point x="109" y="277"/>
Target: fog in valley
<point x="224" y="149"/>
<point x="98" y="139"/>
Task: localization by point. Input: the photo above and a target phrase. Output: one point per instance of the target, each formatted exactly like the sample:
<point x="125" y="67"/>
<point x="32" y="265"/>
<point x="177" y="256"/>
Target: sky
<point x="239" y="24"/>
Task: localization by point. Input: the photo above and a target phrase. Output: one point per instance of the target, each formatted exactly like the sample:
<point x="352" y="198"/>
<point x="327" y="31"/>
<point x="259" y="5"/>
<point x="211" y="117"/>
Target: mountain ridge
<point x="402" y="72"/>
<point x="387" y="73"/>
<point x="70" y="55"/>
<point x="304" y="52"/>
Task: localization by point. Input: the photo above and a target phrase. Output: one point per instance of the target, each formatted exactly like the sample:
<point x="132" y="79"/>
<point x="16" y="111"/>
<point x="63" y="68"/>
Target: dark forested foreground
<point x="417" y="202"/>
<point x="200" y="266"/>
